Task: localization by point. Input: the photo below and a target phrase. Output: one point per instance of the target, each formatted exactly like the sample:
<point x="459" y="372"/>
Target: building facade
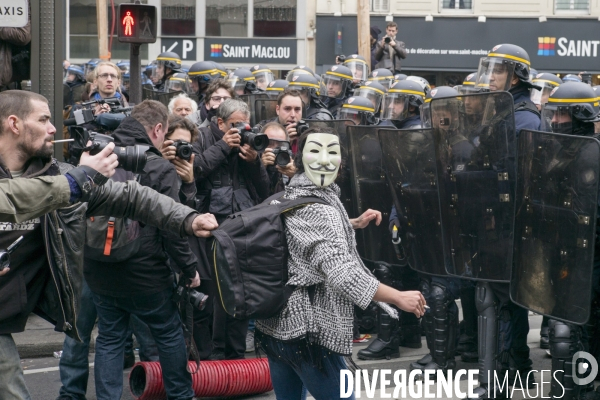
<point x="446" y="38"/>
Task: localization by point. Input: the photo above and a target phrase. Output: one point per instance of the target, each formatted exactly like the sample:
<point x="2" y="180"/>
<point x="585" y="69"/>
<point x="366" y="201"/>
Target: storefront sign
<point x="564" y="45"/>
<point x="13" y="13"/>
<point x="265" y="51"/>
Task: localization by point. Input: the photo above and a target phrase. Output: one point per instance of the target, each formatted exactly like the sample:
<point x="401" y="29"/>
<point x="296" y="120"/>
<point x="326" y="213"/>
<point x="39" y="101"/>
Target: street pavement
<point x="37" y="344"/>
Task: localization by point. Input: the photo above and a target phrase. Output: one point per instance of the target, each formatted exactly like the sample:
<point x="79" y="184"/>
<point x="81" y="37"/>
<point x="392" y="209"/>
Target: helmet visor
<point x="395" y="106"/>
<point x="238" y="85"/>
<point x="540" y="97"/>
<point x="494" y="74"/>
<point x="557" y="119"/>
<point x="425" y="111"/>
<point x="333" y="86"/>
<point x="360" y="70"/>
<point x="370" y="94"/>
<point x="177" y="84"/>
<point x="349" y="114"/>
<point x="263" y="79"/>
<point x="387" y="82"/>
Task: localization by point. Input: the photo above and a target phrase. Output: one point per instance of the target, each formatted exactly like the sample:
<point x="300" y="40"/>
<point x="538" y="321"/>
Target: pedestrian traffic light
<point x="137" y="23"/>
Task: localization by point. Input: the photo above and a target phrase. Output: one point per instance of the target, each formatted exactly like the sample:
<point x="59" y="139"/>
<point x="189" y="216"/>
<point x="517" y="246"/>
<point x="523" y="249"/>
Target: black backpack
<point x="110" y="239"/>
<point x="249" y="257"/>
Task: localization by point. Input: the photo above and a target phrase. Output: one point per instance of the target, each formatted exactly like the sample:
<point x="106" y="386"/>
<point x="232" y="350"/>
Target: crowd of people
<point x="194" y="129"/>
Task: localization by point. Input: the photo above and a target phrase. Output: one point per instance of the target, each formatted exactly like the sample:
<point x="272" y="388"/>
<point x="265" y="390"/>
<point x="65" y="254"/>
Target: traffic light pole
<point x="135" y="67"/>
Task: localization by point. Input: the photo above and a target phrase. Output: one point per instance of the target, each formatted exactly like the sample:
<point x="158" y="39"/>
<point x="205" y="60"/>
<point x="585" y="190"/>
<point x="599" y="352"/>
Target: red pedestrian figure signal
<point x="138" y="23"/>
<point x="128" y="22"/>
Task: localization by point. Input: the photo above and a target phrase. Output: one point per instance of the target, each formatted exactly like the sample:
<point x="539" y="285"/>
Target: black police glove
<point x="87" y="179"/>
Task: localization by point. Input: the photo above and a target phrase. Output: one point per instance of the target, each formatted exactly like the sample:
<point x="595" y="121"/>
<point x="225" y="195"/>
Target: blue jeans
<point x="12" y="381"/>
<point x="74" y="364"/>
<point x="292" y="378"/>
<point x="160" y="313"/>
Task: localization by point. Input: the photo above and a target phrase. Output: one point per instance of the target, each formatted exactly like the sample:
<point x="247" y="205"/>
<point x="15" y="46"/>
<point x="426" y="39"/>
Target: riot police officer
<point x="89" y="67"/>
<point x="275" y="87"/>
<point x="373" y="91"/>
<point x="358" y="109"/>
<point x="546" y="82"/>
<point x="201" y="74"/>
<point x="571" y="78"/>
<point x="299" y="70"/>
<point x="401" y="104"/>
<point x="382" y="76"/>
<point x="178" y="82"/>
<point x="243" y="82"/>
<point x="421" y="81"/>
<point x="335" y="87"/>
<point x="74" y="85"/>
<point x="263" y="76"/>
<point x="308" y="87"/>
<point x="167" y="64"/>
<point x="359" y="67"/>
<point x="468" y="85"/>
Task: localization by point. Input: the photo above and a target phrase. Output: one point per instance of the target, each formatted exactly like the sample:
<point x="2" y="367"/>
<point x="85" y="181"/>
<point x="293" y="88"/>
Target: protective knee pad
<point x="565" y="341"/>
<point x="486" y="303"/>
<point x="445" y="323"/>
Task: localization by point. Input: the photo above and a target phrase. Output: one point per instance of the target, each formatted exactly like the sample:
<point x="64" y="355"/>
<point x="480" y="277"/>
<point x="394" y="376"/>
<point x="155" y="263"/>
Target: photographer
<point x="389" y="52"/>
<point x="177" y="148"/>
<point x="142" y="285"/>
<point x="289" y="112"/>
<point x="45" y="270"/>
<point x="274" y="156"/>
<point x="230" y="177"/>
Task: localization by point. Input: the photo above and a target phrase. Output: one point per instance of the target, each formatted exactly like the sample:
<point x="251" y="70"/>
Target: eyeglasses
<point x="219" y="98"/>
<point x="105" y="76"/>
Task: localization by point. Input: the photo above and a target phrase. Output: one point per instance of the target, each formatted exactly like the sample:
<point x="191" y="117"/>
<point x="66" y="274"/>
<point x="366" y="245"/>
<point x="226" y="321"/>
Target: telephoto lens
<point x="131" y="158"/>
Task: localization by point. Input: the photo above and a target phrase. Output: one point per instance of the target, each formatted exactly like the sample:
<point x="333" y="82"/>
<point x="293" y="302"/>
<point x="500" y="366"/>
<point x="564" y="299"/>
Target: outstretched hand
<point x="366" y="217"/>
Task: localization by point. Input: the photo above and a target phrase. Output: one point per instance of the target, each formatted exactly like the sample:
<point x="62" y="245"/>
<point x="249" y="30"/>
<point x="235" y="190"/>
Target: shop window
<point x="275" y="18"/>
<point x="572" y="6"/>
<point x="178" y="18"/>
<point x="380" y="5"/>
<point x="227" y="18"/>
<point x="83" y="32"/>
<point x="456" y="5"/>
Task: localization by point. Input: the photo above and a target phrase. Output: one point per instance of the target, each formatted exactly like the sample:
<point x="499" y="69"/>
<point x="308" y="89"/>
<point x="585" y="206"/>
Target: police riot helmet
<point x="222" y="70"/>
<point x="383" y="76"/>
<point x="263" y="75"/>
<point x="439" y="110"/>
<point x="90" y="66"/>
<point x="546" y="83"/>
<point x="336" y="81"/>
<point x="276" y="87"/>
<point x="307" y="84"/>
<point x="185" y="68"/>
<point x="400" y="77"/>
<point x="532" y="73"/>
<point x="178" y="82"/>
<point x="571" y="78"/>
<point x="398" y="100"/>
<point x="165" y="60"/>
<point x="421" y="81"/>
<point x="298" y="70"/>
<point x="358" y="109"/>
<point x="204" y="72"/>
<point x="77" y="71"/>
<point x="242" y="81"/>
<point x="123" y="66"/>
<point x="372" y="90"/>
<point x="469" y="84"/>
<point x="496" y="70"/>
<point x="359" y="67"/>
<point x="572" y="109"/>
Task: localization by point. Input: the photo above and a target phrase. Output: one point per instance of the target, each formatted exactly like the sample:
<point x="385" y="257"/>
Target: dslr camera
<point x="5" y="254"/>
<point x="387" y="39"/>
<point x="283" y="155"/>
<point x="131" y="158"/>
<point x="183" y="149"/>
<point x="194" y="297"/>
<point x="301" y="127"/>
<point x="258" y="141"/>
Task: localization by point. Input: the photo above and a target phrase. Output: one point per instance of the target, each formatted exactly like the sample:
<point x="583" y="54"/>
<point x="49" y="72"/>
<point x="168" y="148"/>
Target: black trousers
<point x="229" y="334"/>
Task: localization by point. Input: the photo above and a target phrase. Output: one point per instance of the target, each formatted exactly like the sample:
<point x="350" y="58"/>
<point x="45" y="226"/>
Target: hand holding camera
<point x="232" y="138"/>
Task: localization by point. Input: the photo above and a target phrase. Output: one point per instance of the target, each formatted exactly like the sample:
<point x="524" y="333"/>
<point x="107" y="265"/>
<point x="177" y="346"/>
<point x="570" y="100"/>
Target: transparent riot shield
<point x="370" y="190"/>
<point x="475" y="147"/>
<point x="262" y="107"/>
<point x="555" y="224"/>
<point x="163" y="97"/>
<point x="410" y="168"/>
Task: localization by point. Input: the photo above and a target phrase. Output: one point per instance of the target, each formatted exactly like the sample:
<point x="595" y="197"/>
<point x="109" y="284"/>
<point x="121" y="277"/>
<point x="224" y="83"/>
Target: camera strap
<point x="187" y="316"/>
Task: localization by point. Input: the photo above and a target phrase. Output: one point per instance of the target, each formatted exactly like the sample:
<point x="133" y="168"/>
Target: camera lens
<point x="198" y="299"/>
<point x="132" y="158"/>
<point x="184" y="151"/>
<point x="387" y="39"/>
<point x="259" y="141"/>
<point x="282" y="158"/>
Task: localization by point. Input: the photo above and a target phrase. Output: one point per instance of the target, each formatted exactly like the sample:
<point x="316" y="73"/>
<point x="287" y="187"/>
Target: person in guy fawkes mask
<point x="572" y="109"/>
<point x="308" y="341"/>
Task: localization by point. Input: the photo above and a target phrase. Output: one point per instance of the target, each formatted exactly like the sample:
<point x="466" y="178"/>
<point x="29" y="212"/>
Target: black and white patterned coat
<point x="322" y="252"/>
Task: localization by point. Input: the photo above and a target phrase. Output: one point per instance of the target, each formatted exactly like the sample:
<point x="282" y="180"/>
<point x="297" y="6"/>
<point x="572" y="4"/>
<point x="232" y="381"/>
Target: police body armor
<point x="555" y="224"/>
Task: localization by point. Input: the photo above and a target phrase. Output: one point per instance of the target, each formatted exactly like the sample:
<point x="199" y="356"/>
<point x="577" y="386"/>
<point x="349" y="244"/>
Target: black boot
<point x="387" y="345"/>
<point x="420" y="364"/>
<point x="565" y="341"/>
<point x="544" y="339"/>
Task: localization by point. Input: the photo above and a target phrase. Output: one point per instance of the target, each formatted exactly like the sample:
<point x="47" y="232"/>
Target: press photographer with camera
<point x="389" y="52"/>
<point x="142" y="284"/>
<point x="229" y="177"/>
<point x="277" y="157"/>
<point x="45" y="275"/>
<point x="177" y="148"/>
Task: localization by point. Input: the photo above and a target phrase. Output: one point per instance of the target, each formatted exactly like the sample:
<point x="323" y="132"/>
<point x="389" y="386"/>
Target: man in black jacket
<point x="230" y="177"/>
<point x="143" y="284"/>
<point x="45" y="274"/>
